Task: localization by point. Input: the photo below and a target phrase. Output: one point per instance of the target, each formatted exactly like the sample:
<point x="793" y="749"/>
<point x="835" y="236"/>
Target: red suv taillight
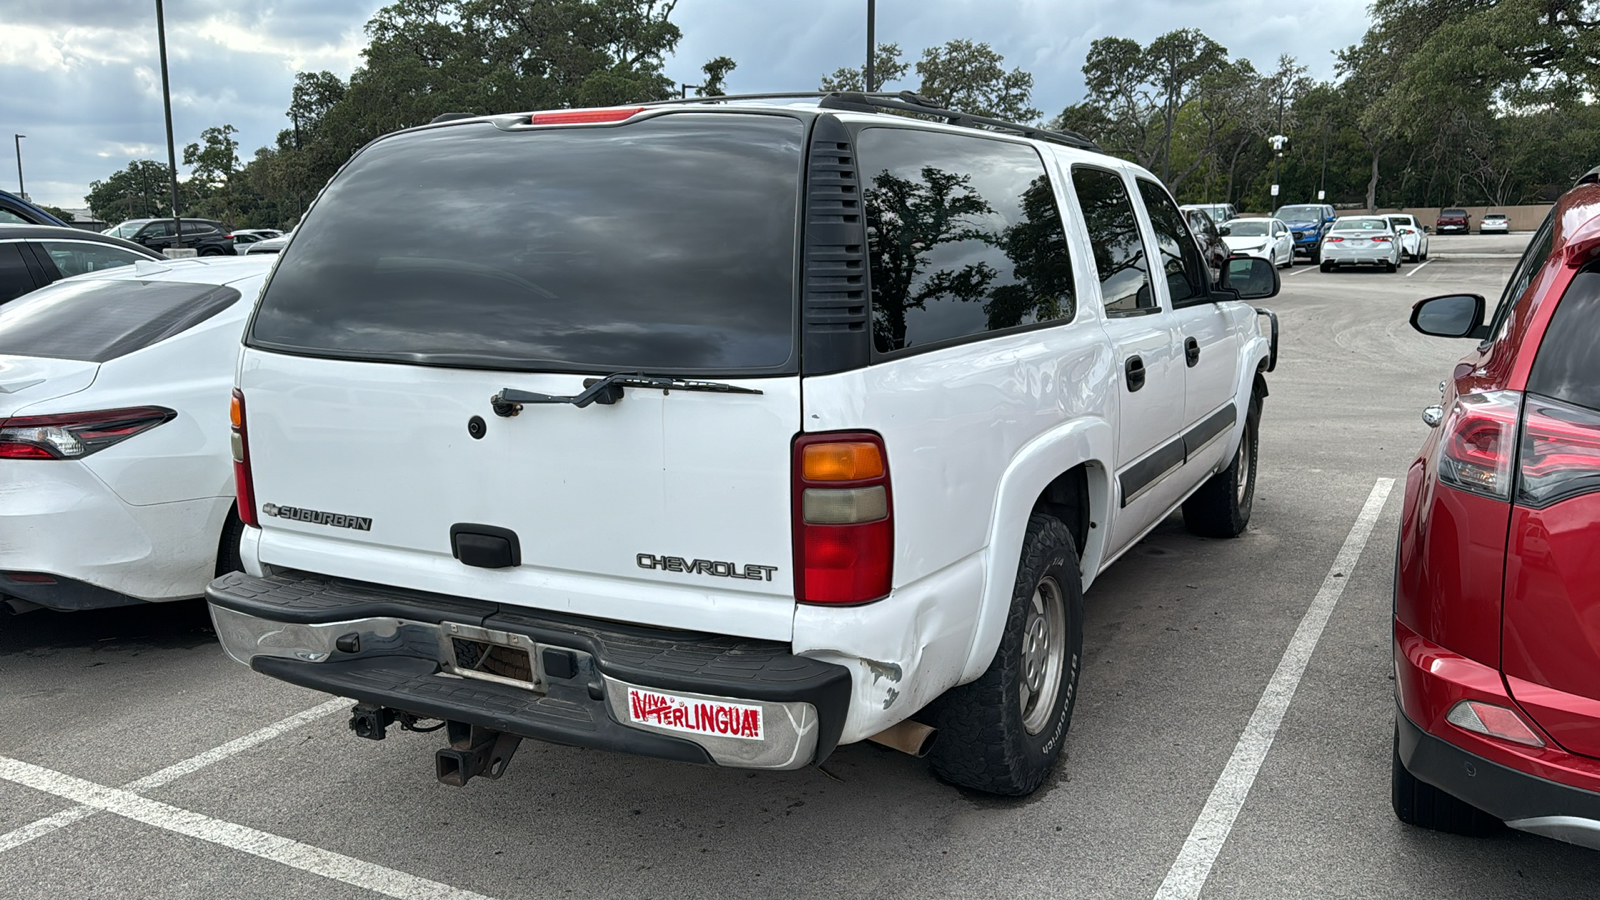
<point x="242" y="485"/>
<point x="843" y="519"/>
<point x="75" y="435"/>
<point x="1560" y="453"/>
<point x="1479" y="441"/>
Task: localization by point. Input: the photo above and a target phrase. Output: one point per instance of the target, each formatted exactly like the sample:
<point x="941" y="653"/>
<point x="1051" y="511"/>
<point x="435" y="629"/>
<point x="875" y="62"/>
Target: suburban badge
<point x="317" y="517"/>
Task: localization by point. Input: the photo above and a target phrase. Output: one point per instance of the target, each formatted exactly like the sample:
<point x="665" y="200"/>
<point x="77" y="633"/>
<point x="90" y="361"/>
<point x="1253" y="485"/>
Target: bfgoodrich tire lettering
<point x="1221" y="508"/>
<point x="985" y="740"/>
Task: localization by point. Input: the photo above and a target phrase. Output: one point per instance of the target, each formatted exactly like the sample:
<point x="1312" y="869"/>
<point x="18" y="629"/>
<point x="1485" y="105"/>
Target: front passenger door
<point x="1210" y="337"/>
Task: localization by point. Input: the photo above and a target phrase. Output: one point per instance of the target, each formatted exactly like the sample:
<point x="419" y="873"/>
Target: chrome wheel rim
<point x="1241" y="464"/>
<point x="1044" y="644"/>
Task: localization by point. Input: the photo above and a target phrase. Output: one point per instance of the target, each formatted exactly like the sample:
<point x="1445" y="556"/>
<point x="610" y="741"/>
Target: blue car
<point x="1309" y="223"/>
<point x="16" y="211"/>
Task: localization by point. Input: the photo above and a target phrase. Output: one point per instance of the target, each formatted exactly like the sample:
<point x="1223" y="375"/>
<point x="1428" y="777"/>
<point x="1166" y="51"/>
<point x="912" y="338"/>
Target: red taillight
<point x="1479" y="439"/>
<point x="843" y="519"/>
<point x="1333" y="240"/>
<point x="75" y="435"/>
<point x="584" y="116"/>
<point x="29" y="577"/>
<point x="1560" y="454"/>
<point x="243" y="487"/>
<point x="1380" y="238"/>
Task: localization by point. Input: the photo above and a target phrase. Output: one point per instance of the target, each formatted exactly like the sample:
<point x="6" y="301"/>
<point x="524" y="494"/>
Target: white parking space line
<point x="1188" y="874"/>
<point x="304" y="857"/>
<point x="1418" y="268"/>
<point x="1301" y="270"/>
<point x="41" y="827"/>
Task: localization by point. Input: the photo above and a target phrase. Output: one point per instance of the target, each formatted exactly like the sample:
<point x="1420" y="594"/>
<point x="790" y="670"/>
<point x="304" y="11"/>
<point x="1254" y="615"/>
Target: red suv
<point x="1497" y="583"/>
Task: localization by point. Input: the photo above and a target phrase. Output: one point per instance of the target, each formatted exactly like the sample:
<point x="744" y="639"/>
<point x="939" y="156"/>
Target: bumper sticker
<point x="695" y="716"/>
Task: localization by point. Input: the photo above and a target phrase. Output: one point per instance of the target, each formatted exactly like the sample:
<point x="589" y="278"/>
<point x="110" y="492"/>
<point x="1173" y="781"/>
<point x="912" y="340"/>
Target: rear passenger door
<point x="1149" y="356"/>
<point x="17" y="271"/>
<point x="1206" y="329"/>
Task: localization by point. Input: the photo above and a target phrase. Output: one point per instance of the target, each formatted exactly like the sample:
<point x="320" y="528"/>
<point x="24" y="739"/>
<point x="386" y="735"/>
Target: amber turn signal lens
<point x="235" y="413"/>
<point x="843" y="461"/>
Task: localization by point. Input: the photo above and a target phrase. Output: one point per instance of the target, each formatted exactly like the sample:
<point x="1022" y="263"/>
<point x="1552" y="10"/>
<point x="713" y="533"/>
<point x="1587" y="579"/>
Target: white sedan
<point x="1413" y="240"/>
<point x="115" y="466"/>
<point x="1269" y="239"/>
<point x="1361" y="240"/>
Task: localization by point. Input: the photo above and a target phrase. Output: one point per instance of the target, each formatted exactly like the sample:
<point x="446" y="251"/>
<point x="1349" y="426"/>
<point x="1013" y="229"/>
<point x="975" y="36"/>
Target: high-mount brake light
<point x="244" y="488"/>
<point x="1560" y="452"/>
<point x="584" y="116"/>
<point x="1478" y="443"/>
<point x="843" y="519"/>
<point x="1494" y="721"/>
<point x="75" y="435"/>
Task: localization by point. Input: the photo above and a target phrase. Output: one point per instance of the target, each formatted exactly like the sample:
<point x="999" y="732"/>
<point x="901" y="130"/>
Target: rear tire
<point x="228" y="557"/>
<point x="1221" y="508"/>
<point x="1003" y="733"/>
<point x="1421" y="804"/>
<point x="1389" y="266"/>
<point x="1326" y="267"/>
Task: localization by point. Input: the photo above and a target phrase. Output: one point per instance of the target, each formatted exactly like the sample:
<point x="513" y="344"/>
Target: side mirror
<point x="1251" y="277"/>
<point x="1224" y="230"/>
<point x="1452" y="316"/>
<point x="1427" y="229"/>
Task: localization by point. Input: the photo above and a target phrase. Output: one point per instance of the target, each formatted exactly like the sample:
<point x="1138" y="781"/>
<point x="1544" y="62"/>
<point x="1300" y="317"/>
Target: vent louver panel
<point x="835" y="302"/>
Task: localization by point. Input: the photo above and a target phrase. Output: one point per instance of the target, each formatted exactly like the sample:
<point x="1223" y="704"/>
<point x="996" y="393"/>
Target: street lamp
<point x="166" y="102"/>
<point x="872" y="18"/>
<point x="21" y="190"/>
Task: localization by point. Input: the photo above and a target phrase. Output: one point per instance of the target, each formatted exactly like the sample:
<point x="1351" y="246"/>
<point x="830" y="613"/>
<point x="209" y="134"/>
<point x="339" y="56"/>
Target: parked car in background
<point x="1361" y="241"/>
<point x="1308" y="223"/>
<point x="664" y="485"/>
<point x="1269" y="239"/>
<point x="1219" y="212"/>
<point x="1453" y="220"/>
<point x="1413" y="240"/>
<point x="243" y="236"/>
<point x="114" y="438"/>
<point x="1494" y="223"/>
<point x="269" y="245"/>
<point x="16" y="211"/>
<point x="32" y="256"/>
<point x="206" y="237"/>
<point x="1496" y="610"/>
<point x="1215" y="250"/>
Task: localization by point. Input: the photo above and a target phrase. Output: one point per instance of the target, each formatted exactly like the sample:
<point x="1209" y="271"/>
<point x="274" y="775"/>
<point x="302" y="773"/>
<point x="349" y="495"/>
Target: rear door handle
<point x="1191" y="351"/>
<point x="1135" y="370"/>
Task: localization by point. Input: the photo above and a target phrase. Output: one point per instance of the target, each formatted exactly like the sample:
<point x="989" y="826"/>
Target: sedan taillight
<point x="843" y="519"/>
<point x="75" y="435"/>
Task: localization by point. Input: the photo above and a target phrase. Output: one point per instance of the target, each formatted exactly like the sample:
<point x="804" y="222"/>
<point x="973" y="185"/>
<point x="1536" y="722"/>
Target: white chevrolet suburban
<point x="727" y="431"/>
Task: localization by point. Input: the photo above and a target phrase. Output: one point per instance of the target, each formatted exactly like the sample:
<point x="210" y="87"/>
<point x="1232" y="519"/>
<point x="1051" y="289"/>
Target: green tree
<point x="971" y="77"/>
<point x="887" y="66"/>
<point x="58" y="212"/>
<point x="213" y="161"/>
<point x="716" y="76"/>
<point x="141" y="190"/>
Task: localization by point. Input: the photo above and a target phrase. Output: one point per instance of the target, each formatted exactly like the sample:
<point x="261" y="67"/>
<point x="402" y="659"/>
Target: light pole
<point x="166" y="102"/>
<point x="872" y="16"/>
<point x="21" y="190"/>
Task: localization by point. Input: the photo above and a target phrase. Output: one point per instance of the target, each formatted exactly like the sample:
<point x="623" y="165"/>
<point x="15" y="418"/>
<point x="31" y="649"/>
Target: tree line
<point x="1443" y="102"/>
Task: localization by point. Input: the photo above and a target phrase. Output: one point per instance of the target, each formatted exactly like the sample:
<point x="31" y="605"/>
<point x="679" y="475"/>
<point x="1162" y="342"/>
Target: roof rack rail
<point x="904" y="101"/>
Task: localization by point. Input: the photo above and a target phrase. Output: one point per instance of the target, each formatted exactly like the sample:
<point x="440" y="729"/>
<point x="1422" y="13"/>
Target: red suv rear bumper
<point x="1545" y="790"/>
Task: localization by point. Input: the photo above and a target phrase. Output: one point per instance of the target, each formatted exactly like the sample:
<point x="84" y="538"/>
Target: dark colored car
<point x="1309" y="223"/>
<point x="1453" y="220"/>
<point x="208" y="238"/>
<point x="1212" y="246"/>
<point x="32" y="256"/>
<point x="1497" y="613"/>
<point x="16" y="211"/>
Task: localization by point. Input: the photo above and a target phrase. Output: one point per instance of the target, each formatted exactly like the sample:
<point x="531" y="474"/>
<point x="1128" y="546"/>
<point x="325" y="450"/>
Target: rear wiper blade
<point x="608" y="390"/>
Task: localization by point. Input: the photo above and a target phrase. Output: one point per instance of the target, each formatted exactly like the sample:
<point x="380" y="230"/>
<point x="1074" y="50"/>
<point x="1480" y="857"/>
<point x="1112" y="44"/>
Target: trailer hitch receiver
<point x="474" y="750"/>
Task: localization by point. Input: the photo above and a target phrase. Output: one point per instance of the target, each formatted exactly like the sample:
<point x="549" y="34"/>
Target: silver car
<point x="1495" y="223"/>
<point x="1361" y="240"/>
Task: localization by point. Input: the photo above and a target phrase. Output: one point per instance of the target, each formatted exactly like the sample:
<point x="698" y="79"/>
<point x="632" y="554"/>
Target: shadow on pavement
<point x="180" y="625"/>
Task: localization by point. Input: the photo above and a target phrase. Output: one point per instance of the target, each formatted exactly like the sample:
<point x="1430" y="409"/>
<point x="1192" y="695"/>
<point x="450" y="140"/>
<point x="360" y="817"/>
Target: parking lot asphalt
<point x="1182" y="637"/>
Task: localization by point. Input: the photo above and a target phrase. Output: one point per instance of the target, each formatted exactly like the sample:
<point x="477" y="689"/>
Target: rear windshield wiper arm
<point x="608" y="390"/>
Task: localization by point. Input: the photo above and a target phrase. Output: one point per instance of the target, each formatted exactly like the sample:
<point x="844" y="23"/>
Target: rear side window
<point x="15" y="279"/>
<point x="7" y="217"/>
<point x="100" y="320"/>
<point x="78" y="257"/>
<point x="1119" y="253"/>
<point x="963" y="235"/>
<point x="1568" y="365"/>
<point x="1180" y="255"/>
<point x="666" y="245"/>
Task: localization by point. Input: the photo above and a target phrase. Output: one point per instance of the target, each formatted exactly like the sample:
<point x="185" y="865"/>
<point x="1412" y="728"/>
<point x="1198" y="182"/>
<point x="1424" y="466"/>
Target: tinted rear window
<point x="96" y="321"/>
<point x="1568" y="365"/>
<point x="665" y="245"/>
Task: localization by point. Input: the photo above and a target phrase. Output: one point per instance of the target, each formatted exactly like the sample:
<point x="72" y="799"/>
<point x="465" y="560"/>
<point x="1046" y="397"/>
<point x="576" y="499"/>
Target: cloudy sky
<point x="82" y="78"/>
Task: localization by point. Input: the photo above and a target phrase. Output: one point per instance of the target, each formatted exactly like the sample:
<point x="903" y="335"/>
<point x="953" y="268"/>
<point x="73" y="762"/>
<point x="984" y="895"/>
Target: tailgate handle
<point x="485" y="546"/>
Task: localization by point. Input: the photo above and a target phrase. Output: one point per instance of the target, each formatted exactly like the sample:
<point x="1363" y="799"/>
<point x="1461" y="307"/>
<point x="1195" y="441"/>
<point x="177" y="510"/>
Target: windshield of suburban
<point x="661" y="245"/>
